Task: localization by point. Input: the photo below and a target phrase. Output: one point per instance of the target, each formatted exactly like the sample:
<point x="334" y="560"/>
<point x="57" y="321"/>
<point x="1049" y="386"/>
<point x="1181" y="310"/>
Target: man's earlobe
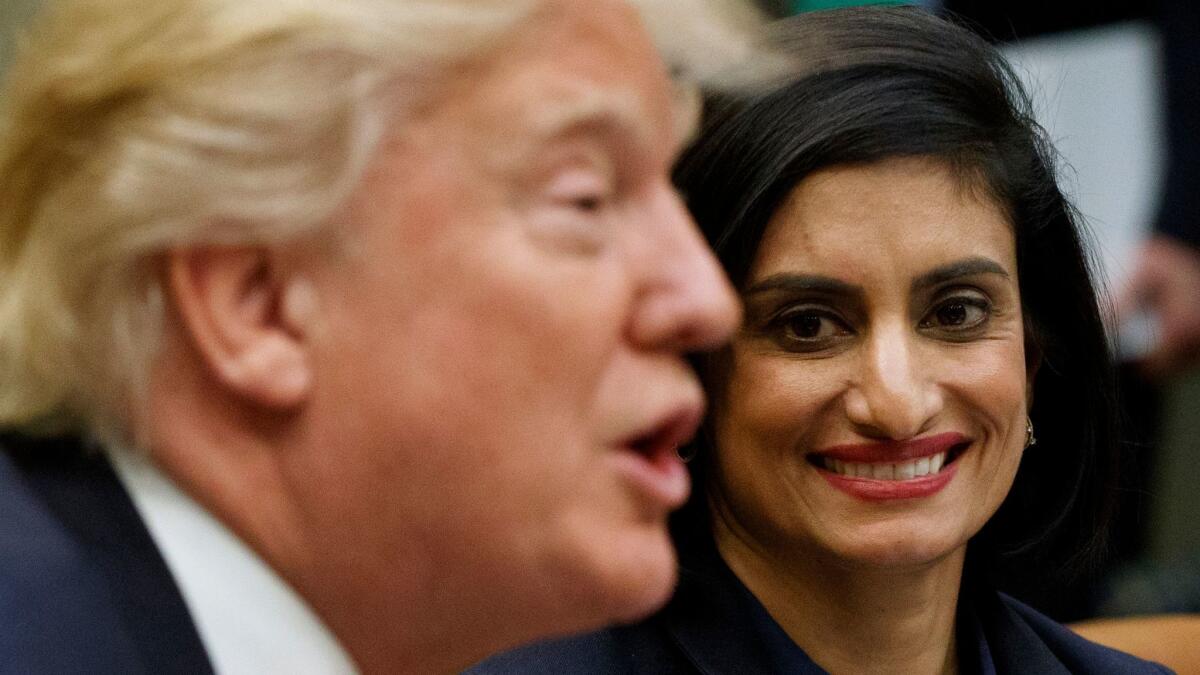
<point x="241" y="316"/>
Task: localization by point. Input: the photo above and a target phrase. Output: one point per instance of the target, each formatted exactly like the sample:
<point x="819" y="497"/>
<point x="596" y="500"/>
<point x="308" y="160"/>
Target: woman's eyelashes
<point x="808" y="328"/>
<point x="958" y="315"/>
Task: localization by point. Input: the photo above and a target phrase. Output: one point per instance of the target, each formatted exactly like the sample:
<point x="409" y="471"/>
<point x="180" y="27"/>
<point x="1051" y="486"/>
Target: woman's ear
<point x="248" y="322"/>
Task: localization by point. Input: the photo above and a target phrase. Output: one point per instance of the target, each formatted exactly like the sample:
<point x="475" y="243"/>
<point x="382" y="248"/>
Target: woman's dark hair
<point x="874" y="83"/>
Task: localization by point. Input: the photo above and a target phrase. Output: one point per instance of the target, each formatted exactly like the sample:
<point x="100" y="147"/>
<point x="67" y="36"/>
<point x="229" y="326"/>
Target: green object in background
<point x="1173" y="533"/>
<point x="799" y="6"/>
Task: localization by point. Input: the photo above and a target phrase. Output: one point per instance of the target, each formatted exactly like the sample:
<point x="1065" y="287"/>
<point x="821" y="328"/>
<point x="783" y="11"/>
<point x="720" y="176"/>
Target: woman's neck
<point x="856" y="618"/>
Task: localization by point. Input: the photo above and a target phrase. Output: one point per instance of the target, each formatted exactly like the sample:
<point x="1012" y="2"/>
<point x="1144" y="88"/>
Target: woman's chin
<point x="896" y="553"/>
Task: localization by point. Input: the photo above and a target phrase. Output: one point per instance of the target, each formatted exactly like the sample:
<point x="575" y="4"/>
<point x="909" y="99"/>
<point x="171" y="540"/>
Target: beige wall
<point x="13" y="13"/>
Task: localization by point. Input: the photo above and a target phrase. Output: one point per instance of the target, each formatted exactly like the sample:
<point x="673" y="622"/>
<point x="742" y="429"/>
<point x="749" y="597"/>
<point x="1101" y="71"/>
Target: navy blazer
<point x="715" y="626"/>
<point x="83" y="589"/>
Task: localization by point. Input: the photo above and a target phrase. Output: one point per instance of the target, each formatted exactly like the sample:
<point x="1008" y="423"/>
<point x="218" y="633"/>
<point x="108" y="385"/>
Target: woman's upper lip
<point x="893" y="451"/>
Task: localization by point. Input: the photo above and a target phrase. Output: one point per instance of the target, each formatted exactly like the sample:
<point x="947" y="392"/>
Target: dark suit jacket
<point x="82" y="587"/>
<point x="715" y="626"/>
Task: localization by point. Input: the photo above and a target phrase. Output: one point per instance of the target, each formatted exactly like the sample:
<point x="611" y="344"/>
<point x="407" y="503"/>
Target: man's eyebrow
<point x="560" y="119"/>
<point x="607" y="112"/>
<point x="794" y="283"/>
<point x="967" y="267"/>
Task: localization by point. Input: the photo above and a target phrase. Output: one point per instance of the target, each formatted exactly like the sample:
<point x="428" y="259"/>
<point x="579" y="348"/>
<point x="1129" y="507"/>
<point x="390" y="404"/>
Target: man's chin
<point x="648" y="600"/>
<point x="638" y="584"/>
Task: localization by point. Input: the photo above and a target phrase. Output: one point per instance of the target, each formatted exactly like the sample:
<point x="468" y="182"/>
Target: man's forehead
<point x="687" y="104"/>
<point x="622" y="109"/>
<point x="604" y="70"/>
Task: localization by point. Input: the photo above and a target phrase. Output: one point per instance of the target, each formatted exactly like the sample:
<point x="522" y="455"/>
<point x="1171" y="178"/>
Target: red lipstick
<point x="895" y="451"/>
<point x="891" y="468"/>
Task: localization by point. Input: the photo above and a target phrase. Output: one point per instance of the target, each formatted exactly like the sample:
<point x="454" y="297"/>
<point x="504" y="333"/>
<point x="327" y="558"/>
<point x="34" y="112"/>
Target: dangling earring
<point x="1030" y="439"/>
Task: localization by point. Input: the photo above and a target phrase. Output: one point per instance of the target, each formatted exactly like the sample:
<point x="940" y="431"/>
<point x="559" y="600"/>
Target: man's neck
<point x="248" y="618"/>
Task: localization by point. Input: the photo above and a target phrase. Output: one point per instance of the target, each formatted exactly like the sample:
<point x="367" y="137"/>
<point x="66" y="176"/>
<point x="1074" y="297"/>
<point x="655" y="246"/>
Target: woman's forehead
<point x="897" y="215"/>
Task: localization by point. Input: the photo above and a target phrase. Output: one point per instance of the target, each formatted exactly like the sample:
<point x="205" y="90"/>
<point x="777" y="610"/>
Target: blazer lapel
<point x="722" y="628"/>
<point x="82" y="505"/>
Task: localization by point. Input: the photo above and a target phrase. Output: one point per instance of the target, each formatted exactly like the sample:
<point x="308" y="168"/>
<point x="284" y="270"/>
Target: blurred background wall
<point x="13" y="13"/>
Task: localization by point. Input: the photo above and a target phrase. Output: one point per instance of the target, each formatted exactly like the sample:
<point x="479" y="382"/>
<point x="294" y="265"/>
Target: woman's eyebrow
<point x="791" y="282"/>
<point x="967" y="267"/>
<point x="811" y="283"/>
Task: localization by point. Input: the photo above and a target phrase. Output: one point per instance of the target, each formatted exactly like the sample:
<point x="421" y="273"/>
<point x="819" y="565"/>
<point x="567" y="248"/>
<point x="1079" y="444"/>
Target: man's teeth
<point x="888" y="471"/>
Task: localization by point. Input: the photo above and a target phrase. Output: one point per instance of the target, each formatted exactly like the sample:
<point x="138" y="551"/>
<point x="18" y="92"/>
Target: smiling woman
<point x="917" y="300"/>
<point x="883" y="337"/>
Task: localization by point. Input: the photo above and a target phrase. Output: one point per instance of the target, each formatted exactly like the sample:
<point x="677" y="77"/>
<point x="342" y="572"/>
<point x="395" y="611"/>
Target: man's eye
<point x="588" y="203"/>
<point x="582" y="190"/>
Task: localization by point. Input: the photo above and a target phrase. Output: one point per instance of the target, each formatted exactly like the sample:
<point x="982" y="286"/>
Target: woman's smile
<point x="892" y="470"/>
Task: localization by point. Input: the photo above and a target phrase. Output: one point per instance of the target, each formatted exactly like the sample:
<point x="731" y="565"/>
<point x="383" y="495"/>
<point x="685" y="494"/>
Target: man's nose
<point x="893" y="394"/>
<point x="685" y="303"/>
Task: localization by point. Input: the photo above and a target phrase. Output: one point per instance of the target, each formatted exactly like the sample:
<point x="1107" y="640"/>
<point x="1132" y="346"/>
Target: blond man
<point x="347" y="335"/>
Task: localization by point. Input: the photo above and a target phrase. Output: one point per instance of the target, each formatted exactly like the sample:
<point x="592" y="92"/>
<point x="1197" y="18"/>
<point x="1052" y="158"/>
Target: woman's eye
<point x="809" y="329"/>
<point x="808" y="326"/>
<point x="958" y="314"/>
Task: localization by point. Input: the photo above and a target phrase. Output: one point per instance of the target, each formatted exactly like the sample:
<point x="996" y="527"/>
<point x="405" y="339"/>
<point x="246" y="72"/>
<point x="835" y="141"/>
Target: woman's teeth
<point x="888" y="471"/>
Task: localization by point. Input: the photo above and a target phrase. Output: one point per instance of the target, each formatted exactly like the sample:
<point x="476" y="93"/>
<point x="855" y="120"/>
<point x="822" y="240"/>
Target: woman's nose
<point x="893" y="393"/>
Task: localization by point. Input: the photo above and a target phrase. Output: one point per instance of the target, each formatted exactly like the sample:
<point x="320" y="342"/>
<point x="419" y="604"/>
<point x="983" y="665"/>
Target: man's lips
<point x="895" y="451"/>
<point x="671" y="430"/>
<point x="649" y="460"/>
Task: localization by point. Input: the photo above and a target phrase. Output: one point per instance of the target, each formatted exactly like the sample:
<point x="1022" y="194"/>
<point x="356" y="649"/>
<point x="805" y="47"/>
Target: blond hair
<point x="130" y="127"/>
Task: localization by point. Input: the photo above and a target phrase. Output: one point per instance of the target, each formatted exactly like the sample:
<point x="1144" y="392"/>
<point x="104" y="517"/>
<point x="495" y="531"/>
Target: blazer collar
<point x="80" y="520"/>
<point x="722" y="628"/>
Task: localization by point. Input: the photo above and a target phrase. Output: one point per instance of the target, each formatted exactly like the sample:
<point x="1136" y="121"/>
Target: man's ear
<point x="240" y="314"/>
